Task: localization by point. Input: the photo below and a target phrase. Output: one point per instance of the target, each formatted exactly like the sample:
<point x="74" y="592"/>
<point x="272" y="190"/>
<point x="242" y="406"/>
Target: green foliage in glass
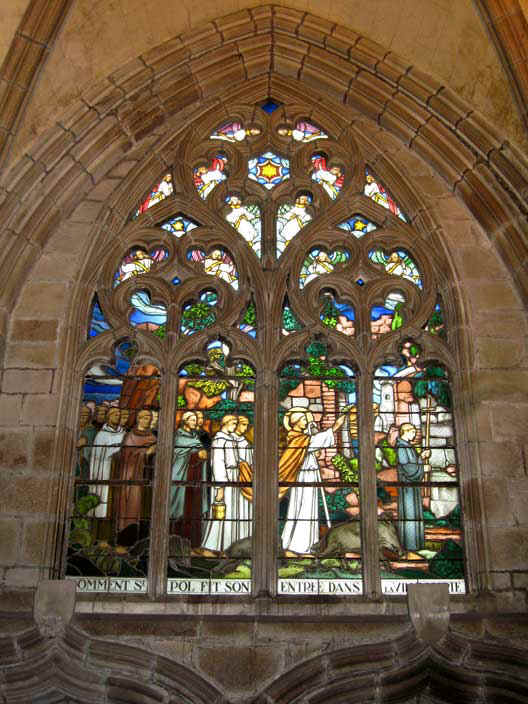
<point x="201" y="315"/>
<point x="347" y="467"/>
<point x="250" y="316"/>
<point x="289" y="321"/>
<point x="435" y="384"/>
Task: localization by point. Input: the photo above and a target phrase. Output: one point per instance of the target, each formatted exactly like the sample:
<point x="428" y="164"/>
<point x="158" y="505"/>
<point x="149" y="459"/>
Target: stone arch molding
<point x="72" y="667"/>
<point x="243" y="57"/>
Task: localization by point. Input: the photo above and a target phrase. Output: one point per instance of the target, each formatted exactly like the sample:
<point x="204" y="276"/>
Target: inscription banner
<point x="212" y="587"/>
<point x="313" y="587"/>
<point x="399" y="586"/>
<point x="112" y="585"/>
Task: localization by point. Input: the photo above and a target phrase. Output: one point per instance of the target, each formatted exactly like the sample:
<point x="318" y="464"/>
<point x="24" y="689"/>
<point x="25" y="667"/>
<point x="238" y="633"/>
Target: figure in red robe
<point x="138" y="445"/>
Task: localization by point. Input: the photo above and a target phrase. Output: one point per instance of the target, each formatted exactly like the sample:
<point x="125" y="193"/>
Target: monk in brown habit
<point x="137" y="446"/>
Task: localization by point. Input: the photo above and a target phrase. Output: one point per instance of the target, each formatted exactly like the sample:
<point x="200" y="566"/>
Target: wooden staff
<point x="427" y="466"/>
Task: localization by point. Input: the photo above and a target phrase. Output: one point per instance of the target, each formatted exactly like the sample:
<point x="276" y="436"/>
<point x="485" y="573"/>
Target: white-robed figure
<point x="245" y="220"/>
<point x="107" y="443"/>
<point x="245" y="454"/>
<point x="221" y="531"/>
<point x="299" y="463"/>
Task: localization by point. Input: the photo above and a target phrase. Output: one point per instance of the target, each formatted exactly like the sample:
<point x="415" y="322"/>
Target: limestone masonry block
<point x="10" y="408"/>
<point x="40" y="409"/>
<point x="26" y="381"/>
<point x="9" y="536"/>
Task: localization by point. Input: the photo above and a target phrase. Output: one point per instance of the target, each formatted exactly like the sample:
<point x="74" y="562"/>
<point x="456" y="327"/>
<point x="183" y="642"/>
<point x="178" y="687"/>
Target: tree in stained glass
<point x="417" y="470"/>
<point x="389" y="316"/>
<point x="331" y="179"/>
<point x="146" y="315"/>
<point x="337" y="315"/>
<point x="179" y="225"/>
<point x="246" y="219"/>
<point x="249" y="321"/>
<point x="318" y="476"/>
<point x="234" y="132"/>
<point x="159" y="192"/>
<point x="211" y="501"/>
<point x="206" y="178"/>
<point x="269" y="169"/>
<point x="358" y="226"/>
<point x="116" y="448"/>
<point x="397" y="263"/>
<point x="199" y="315"/>
<point x="436" y="323"/>
<point x="302" y="132"/>
<point x="319" y="262"/>
<point x="217" y="263"/>
<point x="137" y="262"/>
<point x="290" y="324"/>
<point x="98" y="322"/>
<point x="379" y="194"/>
<point x="291" y="219"/>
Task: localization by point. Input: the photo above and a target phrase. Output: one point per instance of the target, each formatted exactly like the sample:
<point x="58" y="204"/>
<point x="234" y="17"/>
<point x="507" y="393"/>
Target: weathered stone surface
<point x="9" y="540"/>
<point x="239" y="669"/>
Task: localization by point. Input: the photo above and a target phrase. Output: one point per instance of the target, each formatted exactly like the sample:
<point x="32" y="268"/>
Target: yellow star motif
<point x="269" y="171"/>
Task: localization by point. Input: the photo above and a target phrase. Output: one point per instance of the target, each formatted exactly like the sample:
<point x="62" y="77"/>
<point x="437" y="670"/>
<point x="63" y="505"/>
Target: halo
<point x="296" y="409"/>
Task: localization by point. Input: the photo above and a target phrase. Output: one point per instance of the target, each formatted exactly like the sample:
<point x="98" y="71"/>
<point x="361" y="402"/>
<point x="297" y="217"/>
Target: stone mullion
<point x="367" y="485"/>
<point x="159" y="526"/>
<point x="265" y="485"/>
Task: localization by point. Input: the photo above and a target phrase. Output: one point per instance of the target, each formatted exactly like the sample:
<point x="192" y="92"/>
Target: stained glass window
<point x="179" y="225"/>
<point x="159" y="192"/>
<point x="115" y="462"/>
<point x="340" y="297"/>
<point x="338" y="315"/>
<point x="216" y="263"/>
<point x="302" y="132"/>
<point x="290" y="324"/>
<point x="269" y="169"/>
<point x="319" y="262"/>
<point x="249" y="321"/>
<point x="318" y="468"/>
<point x="211" y="496"/>
<point x="379" y="194"/>
<point x="389" y="316"/>
<point x="98" y="322"/>
<point x="331" y="178"/>
<point x="147" y="315"/>
<point x="235" y="132"/>
<point x="358" y="226"/>
<point x="137" y="262"/>
<point x="291" y="218"/>
<point x="417" y="472"/>
<point x="207" y="177"/>
<point x="397" y="263"/>
<point x="246" y="219"/>
<point x="200" y="314"/>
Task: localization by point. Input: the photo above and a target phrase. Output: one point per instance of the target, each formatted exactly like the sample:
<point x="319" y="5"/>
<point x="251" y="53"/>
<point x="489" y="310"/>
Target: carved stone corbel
<point x="429" y="610"/>
<point x="54" y="606"/>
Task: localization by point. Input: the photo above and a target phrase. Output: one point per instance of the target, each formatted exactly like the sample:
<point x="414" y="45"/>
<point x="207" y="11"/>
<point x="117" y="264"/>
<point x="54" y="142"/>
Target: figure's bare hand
<point x="202" y="454"/>
<point x="426" y="454"/>
<point x="219" y="496"/>
<point x="151" y="450"/>
<point x="451" y="470"/>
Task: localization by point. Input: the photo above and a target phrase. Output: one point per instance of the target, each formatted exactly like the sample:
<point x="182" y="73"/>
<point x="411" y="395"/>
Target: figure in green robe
<point x="189" y="503"/>
<point x="411" y="527"/>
